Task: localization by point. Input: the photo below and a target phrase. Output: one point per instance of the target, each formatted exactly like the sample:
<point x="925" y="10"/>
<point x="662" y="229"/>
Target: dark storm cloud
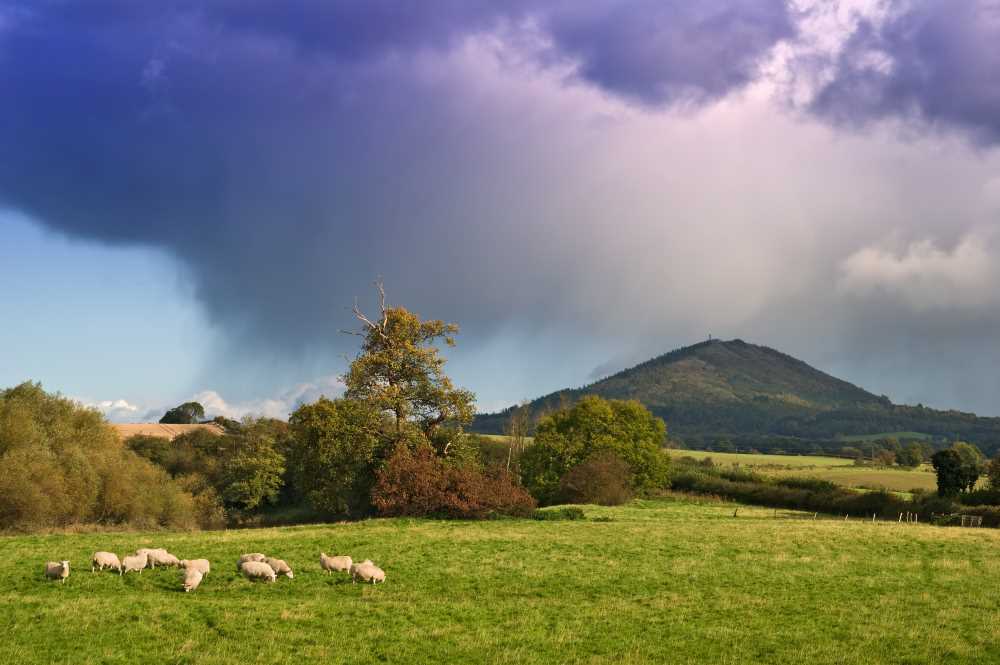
<point x="288" y="152"/>
<point x="928" y="61"/>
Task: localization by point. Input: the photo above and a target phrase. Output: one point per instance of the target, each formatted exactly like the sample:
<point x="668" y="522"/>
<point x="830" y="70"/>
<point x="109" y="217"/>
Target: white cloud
<point x="924" y="276"/>
<point x="279" y="406"/>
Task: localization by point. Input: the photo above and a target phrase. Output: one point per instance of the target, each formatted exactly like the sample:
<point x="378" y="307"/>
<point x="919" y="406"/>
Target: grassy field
<point x="763" y="461"/>
<point x="835" y="469"/>
<point x="663" y="581"/>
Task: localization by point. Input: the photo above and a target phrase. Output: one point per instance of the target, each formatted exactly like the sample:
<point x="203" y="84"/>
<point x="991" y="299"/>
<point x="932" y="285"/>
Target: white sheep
<point x="200" y="565"/>
<point x="102" y="560"/>
<point x="192" y="578"/>
<point x="335" y="563"/>
<point x="256" y="556"/>
<point x="258" y="570"/>
<point x="134" y="562"/>
<point x="161" y="557"/>
<point x="279" y="567"/>
<point x="366" y="571"/>
<point x="57" y="570"/>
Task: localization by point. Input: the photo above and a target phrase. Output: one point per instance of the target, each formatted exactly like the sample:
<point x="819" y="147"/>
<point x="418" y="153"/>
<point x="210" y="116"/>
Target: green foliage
<point x="400" y="372"/>
<point x="593" y="425"/>
<point x="187" y="413"/>
<point x="62" y="464"/>
<point x="252" y="471"/>
<point x="951" y="472"/>
<point x="335" y="448"/>
<point x="910" y="455"/>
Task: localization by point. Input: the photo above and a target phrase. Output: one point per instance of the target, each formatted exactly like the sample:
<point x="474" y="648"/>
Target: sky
<point x="193" y="194"/>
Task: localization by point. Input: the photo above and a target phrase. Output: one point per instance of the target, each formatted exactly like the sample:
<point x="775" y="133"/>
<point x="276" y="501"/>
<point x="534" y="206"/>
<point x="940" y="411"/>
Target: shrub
<point x="416" y="482"/>
<point x="559" y="514"/>
<point x="62" y="464"/>
<point x="570" y="436"/>
<point x="602" y="479"/>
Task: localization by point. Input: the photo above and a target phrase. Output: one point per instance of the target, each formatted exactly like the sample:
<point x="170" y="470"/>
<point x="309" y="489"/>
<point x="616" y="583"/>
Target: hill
<point x="733" y="392"/>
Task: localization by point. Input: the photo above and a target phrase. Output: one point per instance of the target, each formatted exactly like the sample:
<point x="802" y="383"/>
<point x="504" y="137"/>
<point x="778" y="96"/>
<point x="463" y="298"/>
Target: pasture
<point x="834" y="469"/>
<point x="670" y="580"/>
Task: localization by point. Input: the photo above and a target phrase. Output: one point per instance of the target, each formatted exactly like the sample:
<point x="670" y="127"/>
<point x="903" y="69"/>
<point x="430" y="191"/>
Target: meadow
<point x="837" y="470"/>
<point x="667" y="580"/>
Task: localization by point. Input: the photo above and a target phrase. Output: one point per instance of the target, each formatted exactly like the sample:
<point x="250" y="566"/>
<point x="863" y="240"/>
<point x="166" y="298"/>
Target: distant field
<point x="760" y="460"/>
<point x="667" y="581"/>
<point x="834" y="469"/>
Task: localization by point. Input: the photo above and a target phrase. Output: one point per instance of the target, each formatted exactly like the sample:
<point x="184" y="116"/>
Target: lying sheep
<point x="201" y="565"/>
<point x="366" y="571"/>
<point x="192" y="578"/>
<point x="134" y="562"/>
<point x="256" y="556"/>
<point x="258" y="570"/>
<point x="57" y="570"/>
<point x="279" y="567"/>
<point x="102" y="560"/>
<point x="335" y="563"/>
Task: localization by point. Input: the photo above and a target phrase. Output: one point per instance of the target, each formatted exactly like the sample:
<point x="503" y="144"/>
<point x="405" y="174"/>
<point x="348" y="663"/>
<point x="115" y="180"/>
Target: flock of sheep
<point x="255" y="566"/>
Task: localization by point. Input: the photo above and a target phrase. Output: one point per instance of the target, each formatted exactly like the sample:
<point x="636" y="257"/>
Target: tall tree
<point x="400" y="372"/>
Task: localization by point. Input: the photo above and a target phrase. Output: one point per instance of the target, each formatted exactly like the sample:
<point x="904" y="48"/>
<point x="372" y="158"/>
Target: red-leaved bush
<point x="416" y="482"/>
<point x="603" y="479"/>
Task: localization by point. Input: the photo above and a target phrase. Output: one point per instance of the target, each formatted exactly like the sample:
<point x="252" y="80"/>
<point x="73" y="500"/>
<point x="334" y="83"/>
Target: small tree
<point x="572" y="435"/>
<point x="335" y="449"/>
<point x="400" y="372"/>
<point x="950" y="476"/>
<point x="518" y="425"/>
<point x="604" y="479"/>
<point x="187" y="413"/>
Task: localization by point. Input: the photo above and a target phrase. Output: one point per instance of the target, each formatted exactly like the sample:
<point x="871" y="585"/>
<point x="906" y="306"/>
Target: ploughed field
<point x="834" y="469"/>
<point x="670" y="580"/>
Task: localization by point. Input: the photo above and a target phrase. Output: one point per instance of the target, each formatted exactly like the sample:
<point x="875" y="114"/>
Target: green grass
<point x="760" y="461"/>
<point x="834" y="469"/>
<point x="664" y="581"/>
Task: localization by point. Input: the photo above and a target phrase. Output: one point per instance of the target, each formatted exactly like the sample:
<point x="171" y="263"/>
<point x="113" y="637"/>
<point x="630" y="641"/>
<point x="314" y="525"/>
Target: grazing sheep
<point x="102" y="560"/>
<point x="161" y="557"/>
<point x="279" y="567"/>
<point x="200" y="565"/>
<point x="192" y="578"/>
<point x="57" y="570"/>
<point x="256" y="556"/>
<point x="368" y="572"/>
<point x="335" y="563"/>
<point x="134" y="562"/>
<point x="258" y="570"/>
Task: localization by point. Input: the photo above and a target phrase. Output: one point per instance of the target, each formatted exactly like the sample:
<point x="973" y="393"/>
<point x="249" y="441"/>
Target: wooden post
<point x="814" y="516"/>
<point x="873" y="518"/>
<point x="900" y="518"/>
<point x="846" y="516"/>
<point x="736" y="511"/>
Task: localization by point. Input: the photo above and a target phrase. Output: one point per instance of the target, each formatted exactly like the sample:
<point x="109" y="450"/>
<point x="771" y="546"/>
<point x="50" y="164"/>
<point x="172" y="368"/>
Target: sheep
<point x="102" y="560"/>
<point x="163" y="558"/>
<point x="200" y="565"/>
<point x="134" y="562"/>
<point x="256" y="556"/>
<point x="279" y="567"/>
<point x="158" y="556"/>
<point x="258" y="570"/>
<point x="366" y="571"/>
<point x="335" y="563"/>
<point x="192" y="578"/>
<point x="57" y="570"/>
